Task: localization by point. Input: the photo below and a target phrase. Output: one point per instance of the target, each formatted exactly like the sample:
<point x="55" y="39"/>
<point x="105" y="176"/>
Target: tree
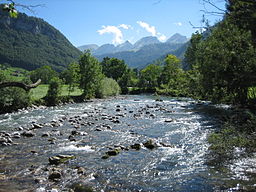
<point x="54" y="91"/>
<point x="171" y="69"/>
<point x="45" y="73"/>
<point x="91" y="74"/>
<point x="149" y="76"/>
<point x="227" y="64"/>
<point x="72" y="75"/>
<point x="113" y="68"/>
<point x="242" y="14"/>
<point x="192" y="50"/>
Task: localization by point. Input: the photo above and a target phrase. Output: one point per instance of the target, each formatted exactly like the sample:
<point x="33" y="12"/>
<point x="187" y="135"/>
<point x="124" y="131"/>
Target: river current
<point x="88" y="130"/>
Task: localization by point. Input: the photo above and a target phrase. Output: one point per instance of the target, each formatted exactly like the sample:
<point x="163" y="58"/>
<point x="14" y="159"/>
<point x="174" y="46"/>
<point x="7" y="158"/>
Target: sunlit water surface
<point x="178" y="165"/>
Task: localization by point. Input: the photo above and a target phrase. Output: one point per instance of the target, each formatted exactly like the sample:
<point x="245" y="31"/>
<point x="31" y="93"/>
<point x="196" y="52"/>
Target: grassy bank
<point x="41" y="91"/>
<point x="235" y="138"/>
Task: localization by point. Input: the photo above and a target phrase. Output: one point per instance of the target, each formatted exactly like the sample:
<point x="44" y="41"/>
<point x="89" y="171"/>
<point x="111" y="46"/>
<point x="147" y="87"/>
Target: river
<point x="89" y="130"/>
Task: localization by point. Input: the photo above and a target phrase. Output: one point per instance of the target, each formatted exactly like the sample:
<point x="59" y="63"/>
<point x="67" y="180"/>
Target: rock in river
<point x="150" y="144"/>
<point x="58" y="159"/>
<point x="28" y="134"/>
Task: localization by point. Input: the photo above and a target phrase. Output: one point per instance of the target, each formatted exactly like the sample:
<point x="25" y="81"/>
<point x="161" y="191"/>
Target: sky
<point x="116" y="21"/>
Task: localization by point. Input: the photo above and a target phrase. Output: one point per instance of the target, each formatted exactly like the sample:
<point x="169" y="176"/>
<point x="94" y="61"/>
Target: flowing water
<point x="89" y="130"/>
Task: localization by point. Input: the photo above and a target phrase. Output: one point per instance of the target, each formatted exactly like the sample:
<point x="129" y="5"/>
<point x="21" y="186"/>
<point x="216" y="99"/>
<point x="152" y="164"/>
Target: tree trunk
<point x="20" y="85"/>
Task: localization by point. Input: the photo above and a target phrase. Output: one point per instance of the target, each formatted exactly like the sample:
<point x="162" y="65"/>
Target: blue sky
<point x="115" y="21"/>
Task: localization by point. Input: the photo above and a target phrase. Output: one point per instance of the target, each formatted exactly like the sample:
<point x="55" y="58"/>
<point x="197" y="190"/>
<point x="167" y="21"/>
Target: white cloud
<point x="147" y="27"/>
<point x="118" y="35"/>
<point x="124" y="26"/>
<point x="152" y="30"/>
<point x="178" y="24"/>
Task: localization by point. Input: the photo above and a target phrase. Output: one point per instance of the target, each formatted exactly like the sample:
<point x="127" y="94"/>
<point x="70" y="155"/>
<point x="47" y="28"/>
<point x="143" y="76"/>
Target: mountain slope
<point x="91" y="47"/>
<point x="144" y="56"/>
<point x="30" y="42"/>
<point x="146" y="41"/>
<point x="177" y="38"/>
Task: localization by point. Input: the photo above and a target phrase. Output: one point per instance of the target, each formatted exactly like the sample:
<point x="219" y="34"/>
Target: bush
<point x="54" y="91"/>
<point x="12" y="98"/>
<point x="108" y="87"/>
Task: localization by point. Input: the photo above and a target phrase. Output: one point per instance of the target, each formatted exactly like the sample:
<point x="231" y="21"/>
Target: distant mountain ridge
<point x="30" y="42"/>
<point x="127" y="46"/>
<point x="144" y="51"/>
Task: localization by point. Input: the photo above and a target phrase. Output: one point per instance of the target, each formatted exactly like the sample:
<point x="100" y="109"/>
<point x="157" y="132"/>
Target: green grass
<point x="14" y="73"/>
<point x="41" y="91"/>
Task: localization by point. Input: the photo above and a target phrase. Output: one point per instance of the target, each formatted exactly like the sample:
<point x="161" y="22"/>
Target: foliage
<point x="192" y="50"/>
<point x="30" y="42"/>
<point x="12" y="99"/>
<point x="243" y="14"/>
<point x="54" y="92"/>
<point x="10" y="8"/>
<point x="91" y="74"/>
<point x="45" y="73"/>
<point x="108" y="87"/>
<point x="227" y="64"/>
<point x="71" y="75"/>
<point x="129" y="79"/>
<point x="113" y="68"/>
<point x="149" y="76"/>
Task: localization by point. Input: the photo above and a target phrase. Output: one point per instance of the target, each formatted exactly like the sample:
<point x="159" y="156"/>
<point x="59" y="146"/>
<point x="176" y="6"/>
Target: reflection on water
<point x="89" y="130"/>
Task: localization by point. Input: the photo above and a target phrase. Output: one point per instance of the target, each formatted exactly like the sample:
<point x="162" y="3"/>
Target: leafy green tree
<point x="192" y="50"/>
<point x="45" y="73"/>
<point x="72" y="75"/>
<point x="113" y="68"/>
<point x="227" y="64"/>
<point x="171" y="70"/>
<point x="54" y="91"/>
<point x="242" y="13"/>
<point x="149" y="76"/>
<point x="129" y="79"/>
<point x="91" y="74"/>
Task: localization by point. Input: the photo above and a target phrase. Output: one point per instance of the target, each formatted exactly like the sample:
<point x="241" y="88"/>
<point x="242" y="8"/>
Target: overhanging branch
<point x="20" y="85"/>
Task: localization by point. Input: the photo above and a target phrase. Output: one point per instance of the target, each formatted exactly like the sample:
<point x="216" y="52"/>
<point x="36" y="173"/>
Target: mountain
<point x="91" y="47"/>
<point x="30" y="42"/>
<point x="146" y="41"/>
<point x="144" y="51"/>
<point x="177" y="38"/>
<point x="144" y="56"/>
<point x="126" y="46"/>
<point x="104" y="49"/>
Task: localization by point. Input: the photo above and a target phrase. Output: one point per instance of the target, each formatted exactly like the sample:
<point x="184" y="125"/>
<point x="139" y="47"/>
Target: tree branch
<point x="20" y="85"/>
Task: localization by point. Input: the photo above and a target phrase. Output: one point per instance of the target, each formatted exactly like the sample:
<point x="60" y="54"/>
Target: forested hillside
<point x="30" y="42"/>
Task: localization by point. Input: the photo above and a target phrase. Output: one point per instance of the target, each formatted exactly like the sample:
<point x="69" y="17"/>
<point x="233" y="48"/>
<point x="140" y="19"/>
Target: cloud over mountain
<point x="152" y="30"/>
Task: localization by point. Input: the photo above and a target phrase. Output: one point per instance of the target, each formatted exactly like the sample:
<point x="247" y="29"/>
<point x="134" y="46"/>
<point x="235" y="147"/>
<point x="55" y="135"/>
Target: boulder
<point x="150" y="144"/>
<point x="136" y="146"/>
<point x="168" y="120"/>
<point x="28" y="134"/>
<point x="56" y="175"/>
<point x="58" y="159"/>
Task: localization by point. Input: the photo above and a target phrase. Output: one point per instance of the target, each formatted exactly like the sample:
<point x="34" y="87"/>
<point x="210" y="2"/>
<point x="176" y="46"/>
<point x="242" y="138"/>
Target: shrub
<point x="108" y="87"/>
<point x="12" y="98"/>
<point x="54" y="91"/>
